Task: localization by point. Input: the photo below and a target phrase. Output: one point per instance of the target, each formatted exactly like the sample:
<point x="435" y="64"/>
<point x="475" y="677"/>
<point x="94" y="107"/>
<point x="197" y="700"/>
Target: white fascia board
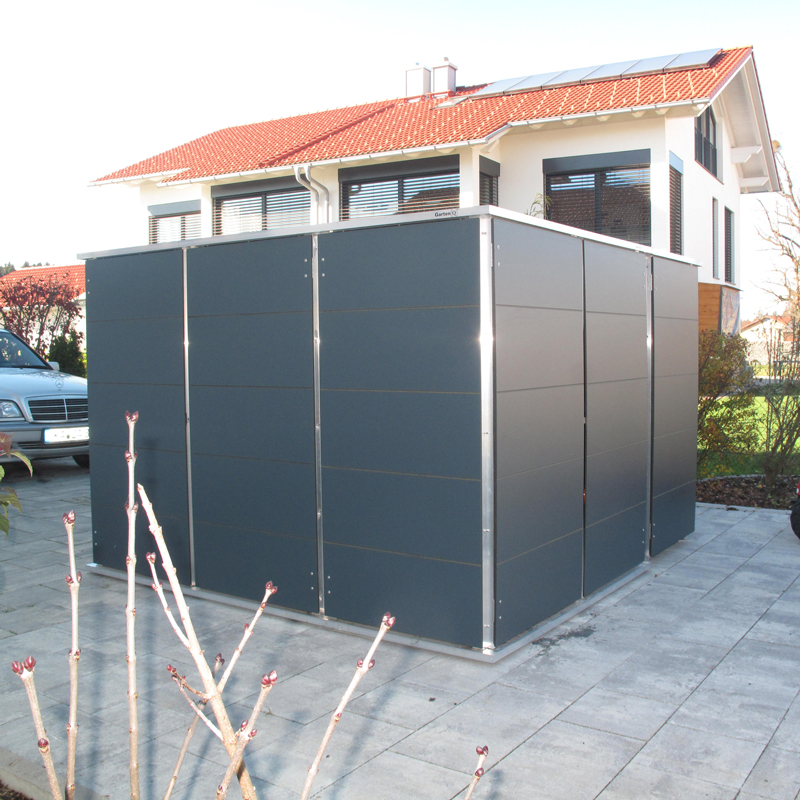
<point x="146" y="177"/>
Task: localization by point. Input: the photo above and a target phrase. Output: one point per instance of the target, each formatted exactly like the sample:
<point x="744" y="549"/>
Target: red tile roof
<point x="402" y="124"/>
<point x="74" y="275"/>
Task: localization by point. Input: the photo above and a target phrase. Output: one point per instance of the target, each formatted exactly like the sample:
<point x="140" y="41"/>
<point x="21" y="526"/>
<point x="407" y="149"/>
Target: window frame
<point x="189" y="229"/>
<point x="730" y="254"/>
<point x="675" y="207"/>
<point x="705" y="142"/>
<point x="262" y="196"/>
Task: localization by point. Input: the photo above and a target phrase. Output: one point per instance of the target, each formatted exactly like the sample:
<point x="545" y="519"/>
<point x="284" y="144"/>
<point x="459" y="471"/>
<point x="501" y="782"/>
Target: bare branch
<point x="74" y="583"/>
<point x="478" y="774"/>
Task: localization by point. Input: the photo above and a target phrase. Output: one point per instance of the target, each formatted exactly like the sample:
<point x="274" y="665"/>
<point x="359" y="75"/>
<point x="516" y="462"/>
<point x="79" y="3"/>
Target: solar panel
<point x="608" y="71"/>
<point x="570" y="76"/>
<point x="535" y="81"/>
<point x="498" y="87"/>
<point x="698" y="58"/>
<point x="646" y="65"/>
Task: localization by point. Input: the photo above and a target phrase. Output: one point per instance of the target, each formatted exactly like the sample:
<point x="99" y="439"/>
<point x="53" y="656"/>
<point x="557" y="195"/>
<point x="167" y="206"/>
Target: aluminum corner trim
<point x="187" y="417"/>
<point x="317" y="422"/>
<point x="487" y="351"/>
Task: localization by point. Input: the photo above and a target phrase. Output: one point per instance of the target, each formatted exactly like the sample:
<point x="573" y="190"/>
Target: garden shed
<point x="474" y="419"/>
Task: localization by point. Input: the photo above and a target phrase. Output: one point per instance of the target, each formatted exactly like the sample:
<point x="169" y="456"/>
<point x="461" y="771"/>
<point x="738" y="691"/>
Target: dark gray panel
<point x="418" y="166"/>
<point x="162" y="415"/>
<point x="674" y="404"/>
<point x="615" y="481"/>
<point x="674" y="289"/>
<point x="163" y="476"/>
<point x="254" y="187"/>
<point x="275" y="424"/>
<point x="614" y="547"/>
<point x="402" y="266"/>
<point x="136" y="351"/>
<point x="620" y="158"/>
<point x="417" y="349"/>
<point x="616" y="414"/>
<point x="538" y="427"/>
<point x="252" y="350"/>
<point x="169" y="209"/>
<point x="239" y="562"/>
<point x="616" y="347"/>
<point x="536" y="267"/>
<point x="615" y="279"/>
<point x="430" y="598"/>
<point x="538" y="347"/>
<point x="250" y="277"/>
<point x="673" y="517"/>
<point x="415" y="432"/>
<point x="434" y="517"/>
<point x="537" y="585"/>
<point x="536" y="507"/>
<point x="261" y="495"/>
<point x="674" y="460"/>
<point x="675" y="347"/>
<point x="139" y="286"/>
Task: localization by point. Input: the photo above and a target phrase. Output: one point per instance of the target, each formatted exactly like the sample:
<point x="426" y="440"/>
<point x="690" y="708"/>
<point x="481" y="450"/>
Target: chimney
<point x="418" y="81"/>
<point x="444" y="78"/>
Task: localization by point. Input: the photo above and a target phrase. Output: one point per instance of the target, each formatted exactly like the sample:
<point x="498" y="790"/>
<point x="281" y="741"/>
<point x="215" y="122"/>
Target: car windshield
<point x="15" y="353"/>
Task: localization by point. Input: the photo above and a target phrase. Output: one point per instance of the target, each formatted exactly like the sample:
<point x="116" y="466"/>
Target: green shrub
<point x="67" y="351"/>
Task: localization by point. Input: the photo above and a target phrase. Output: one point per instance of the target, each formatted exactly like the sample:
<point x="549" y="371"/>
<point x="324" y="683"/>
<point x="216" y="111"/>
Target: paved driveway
<point x="682" y="684"/>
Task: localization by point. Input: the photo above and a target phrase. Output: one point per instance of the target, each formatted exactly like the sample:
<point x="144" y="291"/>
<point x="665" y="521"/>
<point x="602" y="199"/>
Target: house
<point x="656" y="151"/>
<point x="771" y="337"/>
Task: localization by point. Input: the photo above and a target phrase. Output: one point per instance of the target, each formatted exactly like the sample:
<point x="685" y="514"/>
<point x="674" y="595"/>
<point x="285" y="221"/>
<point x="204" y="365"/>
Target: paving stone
<point x="776" y="775"/>
<point x="636" y="782"/>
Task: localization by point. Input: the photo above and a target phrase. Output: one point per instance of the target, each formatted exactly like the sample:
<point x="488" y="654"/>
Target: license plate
<point x="53" y="435"/>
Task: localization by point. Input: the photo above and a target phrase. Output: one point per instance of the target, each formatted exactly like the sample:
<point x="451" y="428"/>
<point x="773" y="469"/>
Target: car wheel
<point x="82" y="461"/>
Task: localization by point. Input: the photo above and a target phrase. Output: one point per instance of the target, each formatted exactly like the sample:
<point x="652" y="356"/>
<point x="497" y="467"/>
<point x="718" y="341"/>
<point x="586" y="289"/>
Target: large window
<point x="261" y="211"/>
<point x="705" y="141"/>
<point x="401" y="195"/>
<point x="174" y="228"/>
<point x="613" y="201"/>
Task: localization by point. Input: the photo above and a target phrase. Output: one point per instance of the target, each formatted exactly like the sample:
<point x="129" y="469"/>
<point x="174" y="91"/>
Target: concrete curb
<point x="30" y="778"/>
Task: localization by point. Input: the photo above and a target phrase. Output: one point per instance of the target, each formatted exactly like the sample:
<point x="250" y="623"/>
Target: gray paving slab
<point x="682" y="684"/>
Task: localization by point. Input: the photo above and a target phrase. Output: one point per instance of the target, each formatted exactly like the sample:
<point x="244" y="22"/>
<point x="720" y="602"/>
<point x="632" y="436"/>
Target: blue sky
<point x="93" y="86"/>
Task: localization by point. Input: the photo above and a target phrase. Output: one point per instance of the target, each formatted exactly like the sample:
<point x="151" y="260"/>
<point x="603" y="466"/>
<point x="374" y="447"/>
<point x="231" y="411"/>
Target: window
<point x="488" y="190"/>
<point x="174" y="228"/>
<point x="729" y="254"/>
<point x="261" y="211"/>
<point x="402" y="195"/>
<point x="615" y="202"/>
<point x="705" y="141"/>
<point x="715" y="238"/>
<point x="675" y="211"/>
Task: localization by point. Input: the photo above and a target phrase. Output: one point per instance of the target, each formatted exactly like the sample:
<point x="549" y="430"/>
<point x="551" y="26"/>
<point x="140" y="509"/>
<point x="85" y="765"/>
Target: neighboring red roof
<point x="74" y="275"/>
<point x="405" y="123"/>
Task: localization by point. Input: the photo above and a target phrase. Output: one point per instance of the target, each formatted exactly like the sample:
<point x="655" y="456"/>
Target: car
<point x="45" y="410"/>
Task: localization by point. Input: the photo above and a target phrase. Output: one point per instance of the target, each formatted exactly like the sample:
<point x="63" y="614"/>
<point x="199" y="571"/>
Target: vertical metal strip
<point x="192" y="571"/>
<point x="317" y="421"/>
<point x="649" y="306"/>
<point x="585" y="416"/>
<point x="487" y="432"/>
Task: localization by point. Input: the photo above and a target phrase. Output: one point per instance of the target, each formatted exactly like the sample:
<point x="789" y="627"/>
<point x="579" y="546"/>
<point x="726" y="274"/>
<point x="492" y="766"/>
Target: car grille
<point x="59" y="409"/>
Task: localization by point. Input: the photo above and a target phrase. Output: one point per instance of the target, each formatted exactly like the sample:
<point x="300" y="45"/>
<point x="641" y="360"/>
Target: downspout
<point x="324" y="190"/>
<point x="304" y="183"/>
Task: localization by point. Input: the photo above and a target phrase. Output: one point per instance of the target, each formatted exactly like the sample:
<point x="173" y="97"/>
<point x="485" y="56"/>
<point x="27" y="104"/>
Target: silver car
<point x="45" y="410"/>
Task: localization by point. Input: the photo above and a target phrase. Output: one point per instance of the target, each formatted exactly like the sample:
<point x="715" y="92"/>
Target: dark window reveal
<point x="174" y="228"/>
<point x="705" y="141"/>
<point x="489" y="190"/>
<point x="615" y="202"/>
<point x="715" y="237"/>
<point x="675" y="211"/>
<point x="729" y="255"/>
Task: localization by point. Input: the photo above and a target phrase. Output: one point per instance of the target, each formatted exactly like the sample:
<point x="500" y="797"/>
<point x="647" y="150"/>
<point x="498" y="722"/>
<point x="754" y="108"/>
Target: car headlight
<point x="9" y="410"/>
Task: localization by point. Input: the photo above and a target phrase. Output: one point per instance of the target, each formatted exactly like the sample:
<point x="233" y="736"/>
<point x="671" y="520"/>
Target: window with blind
<point x="705" y="141"/>
<point x="729" y="254"/>
<point x="675" y="211"/>
<point x="715" y="237"/>
<point x="615" y="202"/>
<point x="261" y="211"/>
<point x="489" y="195"/>
<point x="174" y="228"/>
<point x="400" y="195"/>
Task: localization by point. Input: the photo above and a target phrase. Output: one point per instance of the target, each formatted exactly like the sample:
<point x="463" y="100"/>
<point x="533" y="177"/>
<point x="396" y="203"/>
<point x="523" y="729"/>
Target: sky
<point x="92" y="86"/>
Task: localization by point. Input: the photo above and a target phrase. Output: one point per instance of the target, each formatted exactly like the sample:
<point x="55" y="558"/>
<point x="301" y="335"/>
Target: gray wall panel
<point x="434" y="517"/>
<point x="674" y="460"/>
<point x="268" y="496"/>
<point x="538" y="427"/>
<point x="239" y="562"/>
<point x="675" y="343"/>
<point x="536" y="585"/>
<point x="616" y="346"/>
<point x="615" y="279"/>
<point x="675" y="404"/>
<point x="620" y="413"/>
<point x="250" y="277"/>
<point x="675" y="289"/>
<point x="401" y="266"/>
<point x="141" y="286"/>
<point x="536" y="267"/>
<point x="419" y="433"/>
<point x="430" y="598"/>
<point x="137" y="351"/>
<point x="673" y="516"/>
<point x="252" y="350"/>
<point x="615" y="480"/>
<point x="614" y="546"/>
<point x="406" y="349"/>
<point x="267" y="423"/>
<point x="536" y="507"/>
<point x="538" y="347"/>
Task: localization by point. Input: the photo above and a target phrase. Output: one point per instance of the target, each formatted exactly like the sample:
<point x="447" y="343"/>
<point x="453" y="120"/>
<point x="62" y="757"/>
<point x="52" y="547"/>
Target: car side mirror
<point x="54" y="365"/>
